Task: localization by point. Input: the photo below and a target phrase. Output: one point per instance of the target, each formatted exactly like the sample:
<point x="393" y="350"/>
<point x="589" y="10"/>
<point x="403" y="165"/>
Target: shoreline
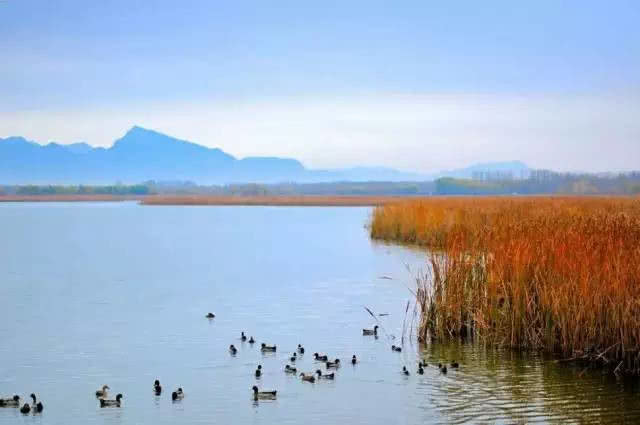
<point x="67" y="198"/>
<point x="214" y="200"/>
<point x="285" y="201"/>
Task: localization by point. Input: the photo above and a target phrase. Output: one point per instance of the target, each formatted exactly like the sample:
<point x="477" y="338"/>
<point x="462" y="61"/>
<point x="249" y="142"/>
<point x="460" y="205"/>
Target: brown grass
<point x="556" y="274"/>
<point x="306" y="200"/>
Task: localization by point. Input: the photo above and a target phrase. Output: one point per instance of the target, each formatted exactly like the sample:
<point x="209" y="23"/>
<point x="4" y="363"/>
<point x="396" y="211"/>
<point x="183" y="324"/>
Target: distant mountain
<point x="138" y="156"/>
<point x="142" y="155"/>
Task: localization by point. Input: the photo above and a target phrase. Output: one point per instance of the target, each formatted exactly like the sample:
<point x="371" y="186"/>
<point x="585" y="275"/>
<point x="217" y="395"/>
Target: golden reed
<point x="555" y="274"/>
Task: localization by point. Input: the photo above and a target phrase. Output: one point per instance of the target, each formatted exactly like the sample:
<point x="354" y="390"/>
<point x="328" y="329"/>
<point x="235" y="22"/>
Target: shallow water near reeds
<point x="116" y="293"/>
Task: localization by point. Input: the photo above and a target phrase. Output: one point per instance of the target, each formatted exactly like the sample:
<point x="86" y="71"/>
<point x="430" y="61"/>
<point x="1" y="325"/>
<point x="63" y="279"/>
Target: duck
<point x="300" y="349"/>
<point x="455" y="365"/>
<point x="25" y="409"/>
<point x="320" y="358"/>
<point x="420" y="370"/>
<point x="269" y="348"/>
<point x="243" y="337"/>
<point x="251" y="340"/>
<point x="396" y="348"/>
<point x="36" y="406"/>
<point x="263" y="395"/>
<point x="422" y="363"/>
<point x="308" y="377"/>
<point x="443" y="368"/>
<point x="373" y="331"/>
<point x="289" y="369"/>
<point x="258" y="371"/>
<point x="405" y="371"/>
<point x="210" y="316"/>
<point x="233" y="350"/>
<point x="335" y="364"/>
<point x="354" y="360"/>
<point x="293" y="358"/>
<point x="103" y="392"/>
<point x="177" y="394"/>
<point x="10" y="402"/>
<point x="157" y="388"/>
<point x="111" y="403"/>
<point x="331" y="375"/>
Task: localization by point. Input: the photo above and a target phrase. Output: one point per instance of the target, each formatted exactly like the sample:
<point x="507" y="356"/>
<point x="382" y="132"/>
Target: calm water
<point x="116" y="294"/>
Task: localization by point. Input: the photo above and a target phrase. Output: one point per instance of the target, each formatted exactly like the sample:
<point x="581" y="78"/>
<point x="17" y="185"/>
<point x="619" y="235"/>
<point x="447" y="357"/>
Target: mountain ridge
<point x="142" y="154"/>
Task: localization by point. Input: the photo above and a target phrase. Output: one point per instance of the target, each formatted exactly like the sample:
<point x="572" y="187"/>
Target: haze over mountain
<point x="143" y="154"/>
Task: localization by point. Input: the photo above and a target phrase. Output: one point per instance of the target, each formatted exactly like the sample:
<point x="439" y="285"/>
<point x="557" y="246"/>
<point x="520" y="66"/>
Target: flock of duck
<point x="101" y="395"/>
<point x="35" y="407"/>
<point x="331" y="367"/>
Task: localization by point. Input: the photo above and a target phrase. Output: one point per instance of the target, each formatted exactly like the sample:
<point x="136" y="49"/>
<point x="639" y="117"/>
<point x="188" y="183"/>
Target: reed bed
<point x="560" y="275"/>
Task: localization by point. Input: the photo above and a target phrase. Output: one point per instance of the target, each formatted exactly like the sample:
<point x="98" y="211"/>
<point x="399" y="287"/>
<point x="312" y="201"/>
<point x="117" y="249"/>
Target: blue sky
<point x="417" y="85"/>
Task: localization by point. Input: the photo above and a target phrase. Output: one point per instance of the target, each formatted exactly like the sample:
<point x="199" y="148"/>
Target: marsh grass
<point x="560" y="275"/>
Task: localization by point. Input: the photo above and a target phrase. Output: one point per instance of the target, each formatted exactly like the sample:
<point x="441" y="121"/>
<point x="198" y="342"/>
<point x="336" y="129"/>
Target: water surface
<point x="116" y="293"/>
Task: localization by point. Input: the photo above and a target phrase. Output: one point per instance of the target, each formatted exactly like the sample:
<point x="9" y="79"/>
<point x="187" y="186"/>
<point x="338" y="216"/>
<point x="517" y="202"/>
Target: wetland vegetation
<point x="559" y="275"/>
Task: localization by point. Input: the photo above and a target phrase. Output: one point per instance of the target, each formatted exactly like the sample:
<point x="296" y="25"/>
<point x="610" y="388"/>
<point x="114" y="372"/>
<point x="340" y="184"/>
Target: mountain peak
<point x="138" y="131"/>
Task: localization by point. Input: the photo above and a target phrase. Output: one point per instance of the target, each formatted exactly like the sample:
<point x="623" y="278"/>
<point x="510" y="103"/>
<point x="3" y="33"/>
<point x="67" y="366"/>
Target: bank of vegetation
<point x="534" y="182"/>
<point x="561" y="275"/>
<point x="542" y="182"/>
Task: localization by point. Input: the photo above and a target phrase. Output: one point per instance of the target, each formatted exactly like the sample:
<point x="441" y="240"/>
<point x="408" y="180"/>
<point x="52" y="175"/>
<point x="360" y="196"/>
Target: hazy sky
<point x="414" y="85"/>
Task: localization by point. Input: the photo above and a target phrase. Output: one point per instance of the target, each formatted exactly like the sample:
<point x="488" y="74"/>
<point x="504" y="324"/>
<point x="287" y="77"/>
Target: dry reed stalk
<point x="555" y="274"/>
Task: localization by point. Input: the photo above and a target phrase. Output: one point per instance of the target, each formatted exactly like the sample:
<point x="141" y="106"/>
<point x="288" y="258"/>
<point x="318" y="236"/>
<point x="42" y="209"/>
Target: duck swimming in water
<point x="308" y="377"/>
<point x="420" y="370"/>
<point x="10" y="402"/>
<point x="210" y="316"/>
<point x="267" y="348"/>
<point x="320" y="358"/>
<point x="455" y="365"/>
<point x="354" y="360"/>
<point x="289" y="369"/>
<point x="36" y="406"/>
<point x="373" y="331"/>
<point x="396" y="348"/>
<point x="25" y="409"/>
<point x="443" y="368"/>
<point x="293" y="358"/>
<point x="263" y="395"/>
<point x="243" y="336"/>
<point x="111" y="403"/>
<point x="251" y="340"/>
<point x="300" y="349"/>
<point x="233" y="350"/>
<point x="157" y="389"/>
<point x="258" y="371"/>
<point x="405" y="371"/>
<point x="177" y="395"/>
<point x="335" y="364"/>
<point x="103" y="392"/>
<point x="331" y="375"/>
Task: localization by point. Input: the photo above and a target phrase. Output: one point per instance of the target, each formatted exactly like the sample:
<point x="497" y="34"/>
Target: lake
<point x="116" y="293"/>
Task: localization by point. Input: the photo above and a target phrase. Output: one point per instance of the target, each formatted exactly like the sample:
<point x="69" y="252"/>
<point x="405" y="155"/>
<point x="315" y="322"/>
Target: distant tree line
<point x="544" y="182"/>
<point x="536" y="182"/>
<point x="136" y="189"/>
